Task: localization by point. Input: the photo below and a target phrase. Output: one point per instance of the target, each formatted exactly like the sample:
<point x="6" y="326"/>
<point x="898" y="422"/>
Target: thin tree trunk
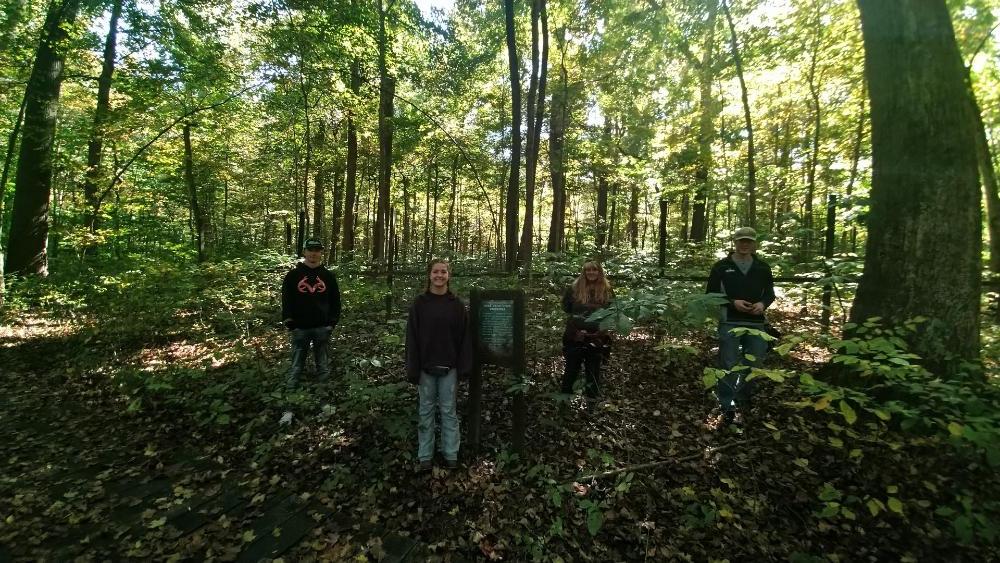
<point x="96" y="143"/>
<point x="706" y="132"/>
<point x="816" y="129"/>
<point x="987" y="175"/>
<point x="514" y="183"/>
<point x="319" y="193"/>
<point x="26" y="248"/>
<point x="387" y="89"/>
<point x="451" y="204"/>
<point x="197" y="211"/>
<point x="751" y="193"/>
<point x="633" y="216"/>
<point x="859" y="136"/>
<point x="535" y="113"/>
<point x="350" y="201"/>
<point x="557" y="142"/>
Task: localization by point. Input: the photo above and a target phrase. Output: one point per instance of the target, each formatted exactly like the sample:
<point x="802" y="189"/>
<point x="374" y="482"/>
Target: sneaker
<point x="286" y="418"/>
<point x="451" y="463"/>
<point x="739" y="420"/>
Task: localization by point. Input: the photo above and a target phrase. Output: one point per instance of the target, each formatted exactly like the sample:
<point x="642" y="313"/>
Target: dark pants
<point x="577" y="356"/>
<point x="301" y="338"/>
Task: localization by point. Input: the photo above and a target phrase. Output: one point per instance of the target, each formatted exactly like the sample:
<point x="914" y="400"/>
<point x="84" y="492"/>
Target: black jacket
<point x="756" y="285"/>
<point x="577" y="320"/>
<point x="310" y="297"/>
<point x="437" y="334"/>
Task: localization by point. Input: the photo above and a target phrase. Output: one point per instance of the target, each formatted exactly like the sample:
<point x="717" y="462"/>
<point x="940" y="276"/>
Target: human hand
<point x="758" y="308"/>
<point x="743" y="306"/>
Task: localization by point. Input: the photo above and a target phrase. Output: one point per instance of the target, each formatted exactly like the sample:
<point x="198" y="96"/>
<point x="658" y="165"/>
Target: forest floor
<point x="122" y="442"/>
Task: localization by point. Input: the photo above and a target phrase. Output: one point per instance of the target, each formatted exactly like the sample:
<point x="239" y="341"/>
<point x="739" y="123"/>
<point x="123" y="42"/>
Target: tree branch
<point x="187" y="114"/>
<point x="651" y="465"/>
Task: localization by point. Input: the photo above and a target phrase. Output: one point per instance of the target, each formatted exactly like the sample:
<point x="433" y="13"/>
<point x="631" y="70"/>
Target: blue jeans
<point x="733" y="389"/>
<point x="301" y="338"/>
<point x="437" y="390"/>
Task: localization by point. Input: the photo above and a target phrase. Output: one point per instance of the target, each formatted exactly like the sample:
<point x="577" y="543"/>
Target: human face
<point x="313" y="256"/>
<point x="745" y="247"/>
<point x="591" y="272"/>
<point x="439" y="277"/>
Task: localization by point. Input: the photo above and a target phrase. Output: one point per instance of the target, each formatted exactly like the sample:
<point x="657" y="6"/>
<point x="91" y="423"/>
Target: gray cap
<point x="745" y="233"/>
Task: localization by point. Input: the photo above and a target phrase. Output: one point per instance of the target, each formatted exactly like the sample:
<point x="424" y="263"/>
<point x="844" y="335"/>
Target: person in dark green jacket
<point x="747" y="283"/>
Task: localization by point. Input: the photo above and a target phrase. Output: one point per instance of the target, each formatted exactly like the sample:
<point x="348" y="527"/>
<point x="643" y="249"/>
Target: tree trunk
<point x="338" y="212"/>
<point x="197" y="209"/>
<point x="633" y="216"/>
<point x="699" y="224"/>
<point x="96" y="143"/>
<point x="859" y="136"/>
<point x="535" y="114"/>
<point x="26" y="248"/>
<point x="987" y="175"/>
<point x="406" y="218"/>
<point x="751" y="210"/>
<point x="350" y="197"/>
<point x="387" y="89"/>
<point x="685" y="210"/>
<point x="601" y="226"/>
<point x="319" y="193"/>
<point x="817" y="124"/>
<point x="514" y="181"/>
<point x="925" y="199"/>
<point x="557" y="143"/>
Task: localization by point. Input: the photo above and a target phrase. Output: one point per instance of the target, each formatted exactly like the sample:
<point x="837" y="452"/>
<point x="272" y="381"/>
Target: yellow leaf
<point x="822" y="403"/>
<point x="158" y="523"/>
<point x="895" y="505"/>
<point x="249" y="536"/>
<point x="955" y="429"/>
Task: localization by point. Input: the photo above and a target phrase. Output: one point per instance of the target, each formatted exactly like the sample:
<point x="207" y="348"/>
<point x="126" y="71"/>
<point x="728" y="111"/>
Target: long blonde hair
<point x="597" y="293"/>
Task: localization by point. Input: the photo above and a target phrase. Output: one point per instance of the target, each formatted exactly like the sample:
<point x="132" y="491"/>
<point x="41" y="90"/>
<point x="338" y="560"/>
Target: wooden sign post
<point x="497" y="319"/>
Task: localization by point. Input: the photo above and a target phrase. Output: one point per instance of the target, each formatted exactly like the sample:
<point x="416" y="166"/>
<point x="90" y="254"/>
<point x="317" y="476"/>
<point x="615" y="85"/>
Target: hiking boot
<point x="451" y="463"/>
<point x="424" y="466"/>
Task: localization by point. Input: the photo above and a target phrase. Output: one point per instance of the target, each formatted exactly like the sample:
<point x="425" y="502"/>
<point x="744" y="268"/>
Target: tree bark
<point x="633" y="216"/>
<point x="197" y="207"/>
<point x="751" y="192"/>
<point x="699" y="224"/>
<point x="350" y="197"/>
<point x="557" y="143"/>
<point x="817" y="123"/>
<point x="925" y="199"/>
<point x="96" y="143"/>
<point x="319" y="192"/>
<point x="387" y="89"/>
<point x="26" y="248"/>
<point x="535" y="114"/>
<point x="451" y="204"/>
<point x="514" y="181"/>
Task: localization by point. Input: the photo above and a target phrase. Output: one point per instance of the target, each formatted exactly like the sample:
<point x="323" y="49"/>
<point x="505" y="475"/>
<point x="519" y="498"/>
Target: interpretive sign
<point x="497" y="325"/>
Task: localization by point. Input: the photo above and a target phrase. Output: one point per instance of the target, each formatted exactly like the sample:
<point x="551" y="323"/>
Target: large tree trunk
<point x="751" y="193"/>
<point x="26" y="248"/>
<point x="699" y="224"/>
<point x="96" y="143"/>
<point x="514" y="182"/>
<point x="350" y="198"/>
<point x="924" y="230"/>
<point x="535" y="113"/>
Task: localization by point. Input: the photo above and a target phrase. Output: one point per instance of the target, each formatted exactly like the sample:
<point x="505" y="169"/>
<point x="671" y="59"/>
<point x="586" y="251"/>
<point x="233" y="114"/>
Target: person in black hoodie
<point x="438" y="350"/>
<point x="747" y="283"/>
<point x="584" y="344"/>
<point x="310" y="309"/>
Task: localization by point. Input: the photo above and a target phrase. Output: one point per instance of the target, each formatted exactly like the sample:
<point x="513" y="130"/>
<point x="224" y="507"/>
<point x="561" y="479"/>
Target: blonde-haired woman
<point x="584" y="344"/>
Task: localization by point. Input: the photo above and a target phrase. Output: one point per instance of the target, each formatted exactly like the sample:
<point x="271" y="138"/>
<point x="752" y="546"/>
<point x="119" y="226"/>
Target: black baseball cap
<point x="313" y="244"/>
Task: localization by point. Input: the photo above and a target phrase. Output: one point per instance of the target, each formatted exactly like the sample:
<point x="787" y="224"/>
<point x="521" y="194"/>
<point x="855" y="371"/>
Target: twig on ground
<point x="650" y="465"/>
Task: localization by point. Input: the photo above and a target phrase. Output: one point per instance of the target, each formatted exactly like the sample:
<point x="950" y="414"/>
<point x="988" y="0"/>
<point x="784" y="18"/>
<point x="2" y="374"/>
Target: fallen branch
<point x="650" y="465"/>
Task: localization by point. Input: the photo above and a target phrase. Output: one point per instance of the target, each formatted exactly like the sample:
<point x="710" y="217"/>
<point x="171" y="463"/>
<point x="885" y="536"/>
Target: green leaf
<point x="895" y="505"/>
<point x="849" y="415"/>
<point x="955" y="429"/>
<point x="595" y="520"/>
<point x="836" y="442"/>
<point x="963" y="529"/>
<point x="874" y="506"/>
<point x="158" y="523"/>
